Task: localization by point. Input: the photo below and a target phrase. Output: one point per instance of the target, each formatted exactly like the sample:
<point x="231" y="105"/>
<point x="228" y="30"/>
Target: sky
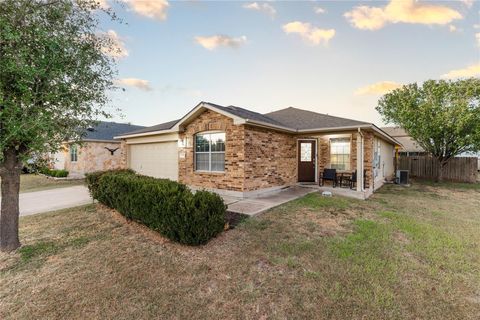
<point x="333" y="57"/>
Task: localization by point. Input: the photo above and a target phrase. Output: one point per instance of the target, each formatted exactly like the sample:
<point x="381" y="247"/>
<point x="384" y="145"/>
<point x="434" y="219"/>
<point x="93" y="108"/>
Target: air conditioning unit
<point x="402" y="177"/>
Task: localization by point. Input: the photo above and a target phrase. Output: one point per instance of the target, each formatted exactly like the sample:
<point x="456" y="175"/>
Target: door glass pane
<point x="305" y="152"/>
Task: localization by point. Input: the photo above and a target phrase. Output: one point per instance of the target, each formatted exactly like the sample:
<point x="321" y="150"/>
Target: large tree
<point x="55" y="71"/>
<point x="442" y="116"/>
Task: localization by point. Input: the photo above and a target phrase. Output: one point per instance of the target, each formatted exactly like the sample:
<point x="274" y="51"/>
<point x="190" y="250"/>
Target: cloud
<point x="154" y="9"/>
<point x="452" y="28"/>
<point x="477" y="37"/>
<point x="136" y="83"/>
<point x="467" y="3"/>
<point x="319" y="10"/>
<point x="397" y="11"/>
<point x="213" y="42"/>
<point x="263" y="7"/>
<point x="117" y="49"/>
<point x="470" y="71"/>
<point x="309" y="33"/>
<point x="378" y="88"/>
<point x="476" y="26"/>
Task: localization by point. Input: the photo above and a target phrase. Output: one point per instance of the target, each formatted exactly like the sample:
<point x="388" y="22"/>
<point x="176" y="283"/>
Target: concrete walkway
<point x="254" y="206"/>
<point x="53" y="199"/>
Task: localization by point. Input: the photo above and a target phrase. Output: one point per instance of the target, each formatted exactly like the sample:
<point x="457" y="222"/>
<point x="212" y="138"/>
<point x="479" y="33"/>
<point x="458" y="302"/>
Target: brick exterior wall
<point x="234" y="176"/>
<point x="270" y="159"/>
<point x="368" y="157"/>
<point x="257" y="158"/>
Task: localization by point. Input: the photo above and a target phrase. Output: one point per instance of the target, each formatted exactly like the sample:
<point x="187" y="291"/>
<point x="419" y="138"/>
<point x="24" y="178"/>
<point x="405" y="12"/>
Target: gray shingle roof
<point x="292" y="118"/>
<point x="158" y="127"/>
<point x="107" y="130"/>
<point x="247" y="114"/>
<point x="302" y="119"/>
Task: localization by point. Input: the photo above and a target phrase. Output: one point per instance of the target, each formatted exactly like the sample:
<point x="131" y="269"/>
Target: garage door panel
<point x="159" y="160"/>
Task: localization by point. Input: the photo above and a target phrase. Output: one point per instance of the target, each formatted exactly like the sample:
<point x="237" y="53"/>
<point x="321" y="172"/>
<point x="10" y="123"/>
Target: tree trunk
<point x="10" y="174"/>
<point x="440" y="170"/>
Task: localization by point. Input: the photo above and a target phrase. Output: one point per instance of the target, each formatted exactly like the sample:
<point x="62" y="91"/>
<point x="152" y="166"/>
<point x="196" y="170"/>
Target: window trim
<point x="73" y="153"/>
<point x="210" y="152"/>
<point x="349" y="163"/>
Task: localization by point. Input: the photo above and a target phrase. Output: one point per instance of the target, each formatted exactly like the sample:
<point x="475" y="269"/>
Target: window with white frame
<point x="340" y="153"/>
<point x="210" y="151"/>
<point x="73" y="153"/>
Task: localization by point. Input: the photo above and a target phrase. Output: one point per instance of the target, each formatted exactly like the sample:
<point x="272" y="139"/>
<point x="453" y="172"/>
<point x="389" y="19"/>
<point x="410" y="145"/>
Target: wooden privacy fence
<point x="462" y="169"/>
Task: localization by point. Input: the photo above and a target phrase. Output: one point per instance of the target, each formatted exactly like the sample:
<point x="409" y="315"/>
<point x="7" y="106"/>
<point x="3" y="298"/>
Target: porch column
<point x="359" y="161"/>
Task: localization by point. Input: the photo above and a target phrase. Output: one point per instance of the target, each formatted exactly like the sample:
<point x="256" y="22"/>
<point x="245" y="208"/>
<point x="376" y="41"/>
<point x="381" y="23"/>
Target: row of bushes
<point x="54" y="173"/>
<point x="163" y="205"/>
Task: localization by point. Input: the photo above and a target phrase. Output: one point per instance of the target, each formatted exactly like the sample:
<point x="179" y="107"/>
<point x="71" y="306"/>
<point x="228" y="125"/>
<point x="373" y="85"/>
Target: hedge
<point x="54" y="172"/>
<point x="163" y="205"/>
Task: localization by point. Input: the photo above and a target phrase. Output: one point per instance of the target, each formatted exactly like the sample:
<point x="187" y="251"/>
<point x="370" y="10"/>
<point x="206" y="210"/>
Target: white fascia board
<point x="151" y="133"/>
<point x="362" y="126"/>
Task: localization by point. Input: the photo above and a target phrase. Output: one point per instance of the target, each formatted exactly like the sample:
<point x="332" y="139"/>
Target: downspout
<point x="360" y="162"/>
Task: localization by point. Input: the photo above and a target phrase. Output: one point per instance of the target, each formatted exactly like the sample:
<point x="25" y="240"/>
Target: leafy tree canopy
<point x="55" y="72"/>
<point x="56" y="68"/>
<point x="442" y="116"/>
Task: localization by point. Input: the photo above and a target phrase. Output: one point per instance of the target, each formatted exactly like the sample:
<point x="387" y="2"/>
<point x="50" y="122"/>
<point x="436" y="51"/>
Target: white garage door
<point x="159" y="160"/>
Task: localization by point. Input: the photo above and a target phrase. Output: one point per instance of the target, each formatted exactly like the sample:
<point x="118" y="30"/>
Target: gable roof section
<point x="305" y="120"/>
<point x="106" y="131"/>
<point x="408" y="143"/>
<point x="291" y="120"/>
<point x="159" y="127"/>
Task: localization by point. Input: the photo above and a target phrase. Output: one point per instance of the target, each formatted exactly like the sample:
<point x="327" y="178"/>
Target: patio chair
<point x="330" y="175"/>
<point x="349" y="181"/>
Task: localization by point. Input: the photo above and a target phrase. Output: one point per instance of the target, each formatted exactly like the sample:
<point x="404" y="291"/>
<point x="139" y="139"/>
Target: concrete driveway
<point x="53" y="199"/>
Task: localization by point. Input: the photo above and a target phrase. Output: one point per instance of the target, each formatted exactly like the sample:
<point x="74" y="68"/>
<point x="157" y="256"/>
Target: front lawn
<point x="35" y="182"/>
<point x="407" y="253"/>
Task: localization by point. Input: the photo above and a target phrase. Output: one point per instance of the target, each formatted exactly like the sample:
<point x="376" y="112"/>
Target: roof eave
<point x="143" y="134"/>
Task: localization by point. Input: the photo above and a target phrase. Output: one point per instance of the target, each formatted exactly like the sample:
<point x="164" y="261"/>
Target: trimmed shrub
<point x="54" y="173"/>
<point x="92" y="179"/>
<point x="163" y="205"/>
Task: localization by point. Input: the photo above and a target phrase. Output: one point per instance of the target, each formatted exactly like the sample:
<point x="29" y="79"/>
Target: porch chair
<point x="350" y="181"/>
<point x="328" y="174"/>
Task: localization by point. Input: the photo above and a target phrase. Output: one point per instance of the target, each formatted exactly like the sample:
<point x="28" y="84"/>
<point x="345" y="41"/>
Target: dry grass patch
<point x="408" y="253"/>
<point x="35" y="182"/>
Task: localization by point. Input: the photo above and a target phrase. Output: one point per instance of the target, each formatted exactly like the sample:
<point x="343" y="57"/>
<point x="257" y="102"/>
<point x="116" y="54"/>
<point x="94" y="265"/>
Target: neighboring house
<point x="239" y="152"/>
<point x="409" y="146"/>
<point x="98" y="150"/>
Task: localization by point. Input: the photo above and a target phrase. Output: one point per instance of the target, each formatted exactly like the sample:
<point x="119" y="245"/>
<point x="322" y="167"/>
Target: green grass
<point x="316" y="201"/>
<point x="406" y="253"/>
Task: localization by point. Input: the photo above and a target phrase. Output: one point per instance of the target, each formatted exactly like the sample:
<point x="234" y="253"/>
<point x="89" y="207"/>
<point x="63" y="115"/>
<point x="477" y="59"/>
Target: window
<point x="210" y="152"/>
<point x="73" y="153"/>
<point x="340" y="153"/>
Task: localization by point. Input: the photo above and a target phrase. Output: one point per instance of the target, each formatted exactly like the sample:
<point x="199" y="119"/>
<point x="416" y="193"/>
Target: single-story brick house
<point x="239" y="152"/>
<point x="98" y="150"/>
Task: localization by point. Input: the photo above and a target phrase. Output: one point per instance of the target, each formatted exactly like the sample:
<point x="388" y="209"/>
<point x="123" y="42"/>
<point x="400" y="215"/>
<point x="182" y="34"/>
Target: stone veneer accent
<point x="92" y="156"/>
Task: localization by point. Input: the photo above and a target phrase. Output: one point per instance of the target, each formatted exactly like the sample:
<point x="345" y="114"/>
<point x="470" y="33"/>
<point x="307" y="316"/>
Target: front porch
<point x="337" y="191"/>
